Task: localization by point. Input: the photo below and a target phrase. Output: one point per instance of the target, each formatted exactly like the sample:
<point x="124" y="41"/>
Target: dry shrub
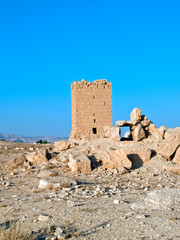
<point x="70" y="229"/>
<point x="14" y="232"/>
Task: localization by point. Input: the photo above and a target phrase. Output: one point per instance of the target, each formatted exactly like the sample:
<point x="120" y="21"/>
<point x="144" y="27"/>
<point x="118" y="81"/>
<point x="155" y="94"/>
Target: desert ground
<point x="49" y="199"/>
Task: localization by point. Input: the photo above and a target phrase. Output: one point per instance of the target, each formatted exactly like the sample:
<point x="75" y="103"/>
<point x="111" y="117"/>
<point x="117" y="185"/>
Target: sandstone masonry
<point x="91" y="107"/>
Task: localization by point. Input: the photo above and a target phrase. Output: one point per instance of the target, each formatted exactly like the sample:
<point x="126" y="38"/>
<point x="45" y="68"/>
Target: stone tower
<point x="91" y="107"/>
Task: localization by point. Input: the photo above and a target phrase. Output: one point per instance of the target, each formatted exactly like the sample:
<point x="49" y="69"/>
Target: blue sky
<point x="45" y="45"/>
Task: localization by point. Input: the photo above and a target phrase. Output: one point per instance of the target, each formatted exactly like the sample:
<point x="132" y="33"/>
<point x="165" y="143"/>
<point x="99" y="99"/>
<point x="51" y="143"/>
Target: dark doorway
<point x="94" y="130"/>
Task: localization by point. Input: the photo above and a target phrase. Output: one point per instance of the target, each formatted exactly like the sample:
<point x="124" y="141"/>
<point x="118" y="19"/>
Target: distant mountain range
<point x="23" y="139"/>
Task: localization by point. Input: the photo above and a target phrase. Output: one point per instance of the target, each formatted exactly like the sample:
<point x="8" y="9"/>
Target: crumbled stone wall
<point x="91" y="107"/>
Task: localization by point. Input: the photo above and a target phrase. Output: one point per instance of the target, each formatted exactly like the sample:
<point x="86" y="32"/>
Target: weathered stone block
<point x="115" y="159"/>
<point x="111" y="132"/>
<point x="138" y="133"/>
<point x="168" y="147"/>
<point x="79" y="162"/>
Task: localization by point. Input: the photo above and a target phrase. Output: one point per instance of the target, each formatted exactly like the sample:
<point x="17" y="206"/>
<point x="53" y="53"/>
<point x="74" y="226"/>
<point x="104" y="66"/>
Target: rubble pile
<point x="141" y="127"/>
<point x="108" y="152"/>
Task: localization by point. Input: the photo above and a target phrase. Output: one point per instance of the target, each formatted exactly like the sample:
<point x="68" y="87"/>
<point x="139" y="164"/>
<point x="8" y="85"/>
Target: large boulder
<point x="136" y="115"/>
<point x="163" y="199"/>
<point x="111" y="132"/>
<point x="15" y="163"/>
<point x="138" y="133"/>
<point x="38" y="158"/>
<point x="170" y="131"/>
<point x="169" y="146"/>
<point x="79" y="162"/>
<point x="115" y="159"/>
<point x="155" y="132"/>
<point x="30" y="157"/>
<point x="138" y="156"/>
<point x="166" y="199"/>
<point x="128" y="157"/>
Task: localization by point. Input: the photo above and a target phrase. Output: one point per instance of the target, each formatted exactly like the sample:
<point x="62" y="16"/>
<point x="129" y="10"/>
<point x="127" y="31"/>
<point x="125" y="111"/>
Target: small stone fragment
<point x="44" y="184"/>
<point x="47" y="173"/>
<point x="43" y="218"/>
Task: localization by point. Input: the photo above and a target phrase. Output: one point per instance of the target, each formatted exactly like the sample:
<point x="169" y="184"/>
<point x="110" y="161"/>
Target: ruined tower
<point x="91" y="107"/>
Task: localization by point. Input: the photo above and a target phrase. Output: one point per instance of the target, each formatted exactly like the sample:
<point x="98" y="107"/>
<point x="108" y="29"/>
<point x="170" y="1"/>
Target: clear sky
<point x="46" y="44"/>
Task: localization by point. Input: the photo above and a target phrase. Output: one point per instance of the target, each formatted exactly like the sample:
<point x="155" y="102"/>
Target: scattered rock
<point x="97" y="197"/>
<point x="101" y="196"/>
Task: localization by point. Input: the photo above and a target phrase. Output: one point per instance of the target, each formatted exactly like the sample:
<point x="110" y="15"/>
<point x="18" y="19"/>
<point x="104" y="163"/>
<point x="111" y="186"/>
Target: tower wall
<point x="91" y="107"/>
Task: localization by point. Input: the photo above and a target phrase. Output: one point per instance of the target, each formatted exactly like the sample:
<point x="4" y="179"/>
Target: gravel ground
<point x="100" y="205"/>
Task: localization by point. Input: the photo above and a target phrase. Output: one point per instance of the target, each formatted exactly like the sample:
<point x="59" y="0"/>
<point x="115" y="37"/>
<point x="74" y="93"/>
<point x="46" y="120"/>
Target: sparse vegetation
<point x="69" y="228"/>
<point x="42" y="141"/>
<point x="14" y="232"/>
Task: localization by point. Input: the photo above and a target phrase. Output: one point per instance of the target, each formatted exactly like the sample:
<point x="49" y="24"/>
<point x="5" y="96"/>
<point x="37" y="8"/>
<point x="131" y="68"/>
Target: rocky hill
<point x="23" y="139"/>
